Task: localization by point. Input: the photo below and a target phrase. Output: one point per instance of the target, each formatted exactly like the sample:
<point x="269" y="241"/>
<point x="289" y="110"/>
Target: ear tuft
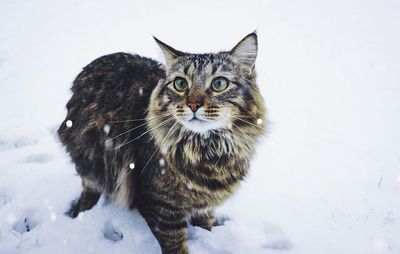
<point x="246" y="50"/>
<point x="170" y="54"/>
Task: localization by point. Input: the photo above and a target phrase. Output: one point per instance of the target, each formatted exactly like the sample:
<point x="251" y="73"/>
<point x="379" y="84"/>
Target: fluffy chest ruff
<point x="201" y="170"/>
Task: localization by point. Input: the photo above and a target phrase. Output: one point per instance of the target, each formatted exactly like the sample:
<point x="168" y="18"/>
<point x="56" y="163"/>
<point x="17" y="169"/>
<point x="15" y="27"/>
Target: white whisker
<point x="158" y="148"/>
<point x="243" y="132"/>
<point x="134" y="128"/>
<point x="138" y="119"/>
<point x="240" y="119"/>
<point x="141" y="135"/>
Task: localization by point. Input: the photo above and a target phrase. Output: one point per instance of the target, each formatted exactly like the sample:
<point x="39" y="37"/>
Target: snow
<point x="326" y="179"/>
<point x="106" y="128"/>
<point x="161" y="162"/>
<point x="68" y="123"/>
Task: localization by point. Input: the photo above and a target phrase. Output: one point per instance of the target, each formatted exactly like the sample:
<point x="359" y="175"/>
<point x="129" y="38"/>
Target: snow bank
<point x="325" y="180"/>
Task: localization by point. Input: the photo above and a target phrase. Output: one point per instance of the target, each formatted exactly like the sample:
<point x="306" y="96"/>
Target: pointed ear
<point x="170" y="54"/>
<point x="246" y="50"/>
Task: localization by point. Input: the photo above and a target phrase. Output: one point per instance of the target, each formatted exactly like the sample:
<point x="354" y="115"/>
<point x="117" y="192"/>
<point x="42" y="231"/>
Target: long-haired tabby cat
<point x="172" y="141"/>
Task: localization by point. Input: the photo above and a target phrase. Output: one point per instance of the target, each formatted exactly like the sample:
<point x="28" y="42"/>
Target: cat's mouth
<point x="196" y="119"/>
<point x="198" y="125"/>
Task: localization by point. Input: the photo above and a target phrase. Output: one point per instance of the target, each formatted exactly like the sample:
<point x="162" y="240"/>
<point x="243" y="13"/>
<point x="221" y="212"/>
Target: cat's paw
<point x="73" y="209"/>
<point x="203" y="222"/>
<point x="208" y="223"/>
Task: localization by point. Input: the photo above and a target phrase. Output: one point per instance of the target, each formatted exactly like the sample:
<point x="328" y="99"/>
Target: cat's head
<point x="209" y="92"/>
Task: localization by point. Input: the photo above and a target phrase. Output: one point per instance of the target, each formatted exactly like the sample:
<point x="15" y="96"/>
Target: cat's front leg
<point x="169" y="227"/>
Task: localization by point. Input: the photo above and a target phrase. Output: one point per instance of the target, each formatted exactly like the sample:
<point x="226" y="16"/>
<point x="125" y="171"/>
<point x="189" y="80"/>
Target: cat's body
<point x="128" y="132"/>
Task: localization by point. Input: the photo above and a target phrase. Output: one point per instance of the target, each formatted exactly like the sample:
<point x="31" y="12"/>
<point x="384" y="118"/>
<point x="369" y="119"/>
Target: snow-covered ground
<point x="325" y="180"/>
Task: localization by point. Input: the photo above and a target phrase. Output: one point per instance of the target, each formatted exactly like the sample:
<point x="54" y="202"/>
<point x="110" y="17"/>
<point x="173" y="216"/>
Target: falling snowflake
<point x="106" y="128"/>
<point x="189" y="185"/>
<point x="163" y="171"/>
<point x="259" y="121"/>
<point x="53" y="216"/>
<point x="68" y="123"/>
<point x="132" y="165"/>
<point x="162" y="162"/>
<point x="141" y="91"/>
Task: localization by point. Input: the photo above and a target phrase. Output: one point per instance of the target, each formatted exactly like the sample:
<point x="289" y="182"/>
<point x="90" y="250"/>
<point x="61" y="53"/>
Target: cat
<point x="172" y="141"/>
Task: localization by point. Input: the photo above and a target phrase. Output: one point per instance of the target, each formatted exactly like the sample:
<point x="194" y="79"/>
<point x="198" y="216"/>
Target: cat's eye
<point x="219" y="84"/>
<point x="180" y="84"/>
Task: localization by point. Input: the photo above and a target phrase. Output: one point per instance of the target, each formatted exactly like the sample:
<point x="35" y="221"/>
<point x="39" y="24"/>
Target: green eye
<point x="180" y="84"/>
<point x="219" y="84"/>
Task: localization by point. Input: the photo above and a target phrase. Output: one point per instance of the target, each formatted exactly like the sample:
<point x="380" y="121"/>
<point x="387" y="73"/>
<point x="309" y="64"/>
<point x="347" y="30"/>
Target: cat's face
<point x="206" y="92"/>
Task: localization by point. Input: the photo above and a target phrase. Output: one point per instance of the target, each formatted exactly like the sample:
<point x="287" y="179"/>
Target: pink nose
<point x="194" y="106"/>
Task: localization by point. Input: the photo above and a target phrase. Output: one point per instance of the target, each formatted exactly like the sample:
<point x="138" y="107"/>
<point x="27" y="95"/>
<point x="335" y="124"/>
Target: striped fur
<point x="131" y="138"/>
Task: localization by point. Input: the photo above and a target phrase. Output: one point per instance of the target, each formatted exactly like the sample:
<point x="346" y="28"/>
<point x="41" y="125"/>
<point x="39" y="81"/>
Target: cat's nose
<point x="194" y="106"/>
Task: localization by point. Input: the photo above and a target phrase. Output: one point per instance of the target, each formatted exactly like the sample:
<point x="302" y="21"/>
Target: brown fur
<point x="126" y="111"/>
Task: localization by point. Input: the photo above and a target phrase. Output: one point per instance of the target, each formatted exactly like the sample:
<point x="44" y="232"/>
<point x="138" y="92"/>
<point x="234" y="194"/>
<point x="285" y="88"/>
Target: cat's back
<point x="109" y="92"/>
<point x="113" y="87"/>
<point x="118" y="70"/>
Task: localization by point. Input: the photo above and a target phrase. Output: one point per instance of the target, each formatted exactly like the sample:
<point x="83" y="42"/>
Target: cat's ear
<point x="170" y="54"/>
<point x="246" y="50"/>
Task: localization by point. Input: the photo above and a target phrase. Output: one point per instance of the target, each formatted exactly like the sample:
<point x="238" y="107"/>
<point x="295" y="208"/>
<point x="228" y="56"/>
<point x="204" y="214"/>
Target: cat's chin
<point x="201" y="126"/>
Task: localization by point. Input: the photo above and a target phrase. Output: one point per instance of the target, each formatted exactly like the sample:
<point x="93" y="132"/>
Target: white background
<point x="326" y="179"/>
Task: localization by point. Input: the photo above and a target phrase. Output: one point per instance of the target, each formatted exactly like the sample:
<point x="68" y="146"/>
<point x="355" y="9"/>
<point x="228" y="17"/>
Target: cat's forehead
<point x="207" y="64"/>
